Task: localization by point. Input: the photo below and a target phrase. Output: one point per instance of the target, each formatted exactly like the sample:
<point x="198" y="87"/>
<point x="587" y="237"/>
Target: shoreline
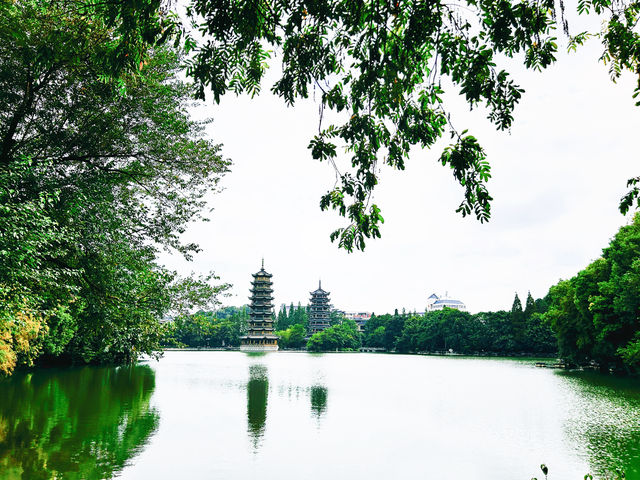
<point x="366" y="350"/>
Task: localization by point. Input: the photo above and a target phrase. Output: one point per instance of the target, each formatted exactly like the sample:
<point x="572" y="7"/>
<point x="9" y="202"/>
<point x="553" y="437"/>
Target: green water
<point x="228" y="415"/>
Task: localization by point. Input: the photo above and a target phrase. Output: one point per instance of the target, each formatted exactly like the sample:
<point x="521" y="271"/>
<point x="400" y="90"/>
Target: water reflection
<point x="318" y="400"/>
<point x="75" y="423"/>
<point x="257" y="393"/>
<point x="606" y="420"/>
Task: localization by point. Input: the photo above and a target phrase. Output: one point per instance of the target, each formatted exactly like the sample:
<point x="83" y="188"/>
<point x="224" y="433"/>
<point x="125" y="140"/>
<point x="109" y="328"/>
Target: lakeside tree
<point x="344" y="337"/>
<point x="292" y="337"/>
<point x="336" y="317"/>
<point x="222" y="328"/>
<point x="517" y="320"/>
<point x="530" y="307"/>
<point x="97" y="175"/>
<point x="462" y="332"/>
<point x="281" y="319"/>
<point x="596" y="314"/>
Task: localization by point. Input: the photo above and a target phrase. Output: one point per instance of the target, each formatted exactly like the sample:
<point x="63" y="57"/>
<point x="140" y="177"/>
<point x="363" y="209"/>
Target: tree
<point x="382" y="66"/>
<point x="336" y="317"/>
<point x="377" y="337"/>
<point x="281" y="322"/>
<point x="344" y="336"/>
<point x="299" y="316"/>
<point x="517" y="320"/>
<point x="97" y="174"/>
<point x="596" y="314"/>
<point x="485" y="332"/>
<point x="530" y="306"/>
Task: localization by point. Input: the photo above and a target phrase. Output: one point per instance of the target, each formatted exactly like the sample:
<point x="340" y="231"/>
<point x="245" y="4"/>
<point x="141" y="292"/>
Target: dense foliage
<point x="96" y="176"/>
<point x="343" y="337"/>
<point x="292" y="337"/>
<point x="293" y="325"/>
<point x="222" y="328"/>
<point x="287" y="317"/>
<point x="446" y="330"/>
<point x="596" y="314"/>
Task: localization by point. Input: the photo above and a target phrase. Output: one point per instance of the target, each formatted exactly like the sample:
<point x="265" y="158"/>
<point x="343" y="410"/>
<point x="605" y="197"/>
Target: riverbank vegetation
<point x="101" y="168"/>
<point x="596" y="314"/>
<point x="448" y="330"/>
<point x="222" y="328"/>
<point x="343" y="337"/>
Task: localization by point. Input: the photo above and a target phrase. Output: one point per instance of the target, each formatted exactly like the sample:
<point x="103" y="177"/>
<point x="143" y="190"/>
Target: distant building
<point x="434" y="302"/>
<point x="361" y="318"/>
<point x="319" y="310"/>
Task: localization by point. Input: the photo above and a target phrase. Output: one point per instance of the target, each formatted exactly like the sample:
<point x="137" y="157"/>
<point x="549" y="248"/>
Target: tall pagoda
<point x="260" y="337"/>
<point x="319" y="310"/>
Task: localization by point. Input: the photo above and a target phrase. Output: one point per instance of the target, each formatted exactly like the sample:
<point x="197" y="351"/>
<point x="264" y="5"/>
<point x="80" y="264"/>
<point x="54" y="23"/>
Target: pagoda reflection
<point x="318" y="400"/>
<point x="257" y="395"/>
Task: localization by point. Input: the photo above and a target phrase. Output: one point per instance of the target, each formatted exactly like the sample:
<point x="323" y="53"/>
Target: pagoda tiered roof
<point x="262" y="273"/>
<point x="259" y="287"/>
<point x="319" y="310"/>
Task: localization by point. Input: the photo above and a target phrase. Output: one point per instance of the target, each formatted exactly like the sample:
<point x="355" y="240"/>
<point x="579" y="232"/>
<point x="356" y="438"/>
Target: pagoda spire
<point x="319" y="284"/>
<point x="263" y="263"/>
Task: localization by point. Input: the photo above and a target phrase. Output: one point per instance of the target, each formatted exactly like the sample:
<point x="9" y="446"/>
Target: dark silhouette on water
<point x="318" y="400"/>
<point x="257" y="398"/>
<point x="74" y="423"/>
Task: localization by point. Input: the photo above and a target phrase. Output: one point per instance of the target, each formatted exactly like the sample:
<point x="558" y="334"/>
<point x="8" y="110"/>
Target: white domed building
<point x="434" y="302"/>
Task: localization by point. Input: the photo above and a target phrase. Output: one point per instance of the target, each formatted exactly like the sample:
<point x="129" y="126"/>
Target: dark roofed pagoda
<point x="260" y="335"/>
<point x="319" y="310"/>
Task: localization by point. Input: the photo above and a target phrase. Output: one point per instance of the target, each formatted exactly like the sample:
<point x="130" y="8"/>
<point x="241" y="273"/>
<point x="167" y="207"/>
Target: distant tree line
<point x="593" y="317"/>
<point x="292" y="326"/>
<point x="520" y="330"/>
<point x="222" y="328"/>
<point x="501" y="332"/>
<point x="288" y="317"/>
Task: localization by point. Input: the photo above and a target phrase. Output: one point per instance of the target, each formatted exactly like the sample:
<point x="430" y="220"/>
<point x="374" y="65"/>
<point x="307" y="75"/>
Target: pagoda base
<point x="258" y="348"/>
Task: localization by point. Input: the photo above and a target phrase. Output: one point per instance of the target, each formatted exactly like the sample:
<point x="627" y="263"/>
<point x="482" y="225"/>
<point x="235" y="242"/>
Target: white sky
<point x="557" y="180"/>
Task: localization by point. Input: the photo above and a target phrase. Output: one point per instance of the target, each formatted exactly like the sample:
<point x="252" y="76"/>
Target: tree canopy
<point x="381" y="68"/>
<point x="96" y="177"/>
<point x="596" y="314"/>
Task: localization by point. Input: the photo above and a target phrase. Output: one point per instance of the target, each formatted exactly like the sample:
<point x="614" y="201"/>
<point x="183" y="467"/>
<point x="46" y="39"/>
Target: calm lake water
<point x="229" y="415"/>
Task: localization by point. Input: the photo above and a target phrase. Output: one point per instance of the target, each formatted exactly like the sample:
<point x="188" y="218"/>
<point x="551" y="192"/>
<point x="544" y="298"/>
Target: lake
<point x="231" y="415"/>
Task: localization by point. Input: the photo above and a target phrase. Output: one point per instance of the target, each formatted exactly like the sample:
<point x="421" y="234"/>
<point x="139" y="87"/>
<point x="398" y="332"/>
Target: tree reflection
<point x="76" y="423"/>
<point x="318" y="400"/>
<point x="606" y="421"/>
<point x="257" y="393"/>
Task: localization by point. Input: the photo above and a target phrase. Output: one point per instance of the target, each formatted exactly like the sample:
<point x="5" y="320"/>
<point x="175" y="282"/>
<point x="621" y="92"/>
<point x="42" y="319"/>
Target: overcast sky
<point x="558" y="176"/>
